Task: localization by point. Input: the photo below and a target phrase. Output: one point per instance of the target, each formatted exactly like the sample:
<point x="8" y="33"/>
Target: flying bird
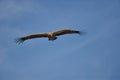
<point x="50" y="35"/>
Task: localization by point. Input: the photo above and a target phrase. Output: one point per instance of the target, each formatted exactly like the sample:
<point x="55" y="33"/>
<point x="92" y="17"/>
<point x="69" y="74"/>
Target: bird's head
<point x="50" y="33"/>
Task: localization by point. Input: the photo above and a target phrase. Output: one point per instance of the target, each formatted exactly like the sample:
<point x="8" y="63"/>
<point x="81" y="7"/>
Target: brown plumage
<point x="50" y="35"/>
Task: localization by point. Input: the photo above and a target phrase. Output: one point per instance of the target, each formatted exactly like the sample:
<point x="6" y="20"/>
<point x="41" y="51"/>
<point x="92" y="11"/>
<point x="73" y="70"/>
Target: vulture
<point x="50" y="35"/>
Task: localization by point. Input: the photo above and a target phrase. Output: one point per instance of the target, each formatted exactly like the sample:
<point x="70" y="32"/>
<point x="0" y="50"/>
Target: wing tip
<point x="78" y="32"/>
<point x="19" y="40"/>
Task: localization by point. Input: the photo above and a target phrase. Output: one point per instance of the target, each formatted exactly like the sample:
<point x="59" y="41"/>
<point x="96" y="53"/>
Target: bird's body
<point x="50" y="35"/>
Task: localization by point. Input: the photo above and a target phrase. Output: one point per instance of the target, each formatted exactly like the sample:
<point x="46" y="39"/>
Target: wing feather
<point x="65" y="31"/>
<point x="22" y="39"/>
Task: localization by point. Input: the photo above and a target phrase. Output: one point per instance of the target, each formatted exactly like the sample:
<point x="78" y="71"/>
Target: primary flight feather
<point x="50" y="35"/>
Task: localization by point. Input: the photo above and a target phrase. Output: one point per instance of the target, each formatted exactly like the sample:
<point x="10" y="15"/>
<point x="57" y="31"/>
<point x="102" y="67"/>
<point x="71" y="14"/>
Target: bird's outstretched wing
<point x="65" y="31"/>
<point x="22" y="39"/>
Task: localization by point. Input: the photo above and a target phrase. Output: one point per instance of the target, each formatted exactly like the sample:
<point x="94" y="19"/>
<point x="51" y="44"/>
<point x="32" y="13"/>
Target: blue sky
<point x="93" y="56"/>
